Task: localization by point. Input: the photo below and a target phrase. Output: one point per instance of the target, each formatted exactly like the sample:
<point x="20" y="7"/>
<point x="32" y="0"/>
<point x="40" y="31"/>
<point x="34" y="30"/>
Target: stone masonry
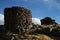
<point x="17" y="19"/>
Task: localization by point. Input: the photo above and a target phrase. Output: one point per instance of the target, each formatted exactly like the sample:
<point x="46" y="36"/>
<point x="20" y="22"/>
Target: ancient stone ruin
<point x="17" y="19"/>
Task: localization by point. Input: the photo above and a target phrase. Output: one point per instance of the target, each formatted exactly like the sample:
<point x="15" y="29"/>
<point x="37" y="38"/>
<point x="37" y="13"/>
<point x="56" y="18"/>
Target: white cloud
<point x="32" y="1"/>
<point x="36" y="21"/>
<point x="52" y="3"/>
<point x="49" y="3"/>
<point x="1" y="19"/>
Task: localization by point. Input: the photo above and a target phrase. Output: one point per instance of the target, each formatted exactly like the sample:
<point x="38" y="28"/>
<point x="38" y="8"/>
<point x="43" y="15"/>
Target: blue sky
<point x="39" y="8"/>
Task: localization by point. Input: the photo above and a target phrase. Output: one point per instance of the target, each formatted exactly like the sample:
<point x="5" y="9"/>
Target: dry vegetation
<point x="30" y="37"/>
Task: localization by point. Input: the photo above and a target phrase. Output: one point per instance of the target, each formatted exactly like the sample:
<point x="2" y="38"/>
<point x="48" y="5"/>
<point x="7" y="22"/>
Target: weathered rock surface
<point x="17" y="19"/>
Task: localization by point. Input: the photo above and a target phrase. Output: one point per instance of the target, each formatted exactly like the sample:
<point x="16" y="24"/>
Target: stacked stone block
<point x="17" y="19"/>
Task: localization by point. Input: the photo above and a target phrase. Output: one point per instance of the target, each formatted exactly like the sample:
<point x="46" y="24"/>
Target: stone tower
<point x="17" y="18"/>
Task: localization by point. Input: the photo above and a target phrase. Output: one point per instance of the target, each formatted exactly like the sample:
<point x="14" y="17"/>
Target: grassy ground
<point x="35" y="37"/>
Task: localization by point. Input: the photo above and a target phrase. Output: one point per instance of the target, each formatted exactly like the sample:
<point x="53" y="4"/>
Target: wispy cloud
<point x="36" y="21"/>
<point x="32" y="1"/>
<point x="1" y="19"/>
<point x="26" y="0"/>
<point x="49" y="3"/>
<point x="52" y="3"/>
<point x="46" y="0"/>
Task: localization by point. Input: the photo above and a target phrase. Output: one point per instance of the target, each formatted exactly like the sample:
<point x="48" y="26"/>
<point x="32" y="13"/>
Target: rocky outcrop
<point x="48" y="21"/>
<point x="17" y="19"/>
<point x="18" y="26"/>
